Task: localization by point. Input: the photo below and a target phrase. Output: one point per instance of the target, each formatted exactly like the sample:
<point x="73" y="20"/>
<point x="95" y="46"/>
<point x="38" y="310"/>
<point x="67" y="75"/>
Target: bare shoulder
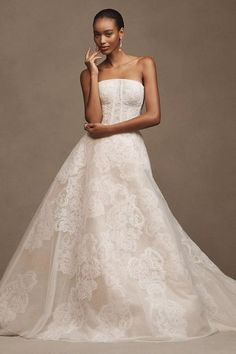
<point x="84" y="75"/>
<point x="148" y="66"/>
<point x="147" y="61"/>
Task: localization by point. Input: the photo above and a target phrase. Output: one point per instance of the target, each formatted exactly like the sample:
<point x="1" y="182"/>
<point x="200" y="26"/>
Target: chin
<point x="106" y="51"/>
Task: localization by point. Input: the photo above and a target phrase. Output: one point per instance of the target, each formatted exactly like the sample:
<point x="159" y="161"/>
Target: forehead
<point x="104" y="24"/>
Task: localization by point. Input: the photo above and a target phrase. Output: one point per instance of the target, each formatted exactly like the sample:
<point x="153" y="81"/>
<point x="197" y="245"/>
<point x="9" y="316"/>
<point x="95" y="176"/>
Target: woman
<point x="108" y="35"/>
<point x="104" y="259"/>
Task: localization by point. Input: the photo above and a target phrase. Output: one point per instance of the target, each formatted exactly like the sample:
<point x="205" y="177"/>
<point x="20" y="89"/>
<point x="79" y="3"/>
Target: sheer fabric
<point x="103" y="258"/>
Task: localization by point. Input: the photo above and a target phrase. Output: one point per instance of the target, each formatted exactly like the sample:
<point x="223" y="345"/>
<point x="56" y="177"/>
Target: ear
<point x="121" y="31"/>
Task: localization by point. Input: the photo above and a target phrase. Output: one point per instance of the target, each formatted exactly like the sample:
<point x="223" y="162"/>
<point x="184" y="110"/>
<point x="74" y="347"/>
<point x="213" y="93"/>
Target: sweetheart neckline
<point x="139" y="82"/>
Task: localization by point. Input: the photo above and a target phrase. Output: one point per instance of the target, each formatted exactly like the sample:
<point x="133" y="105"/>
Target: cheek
<point x="113" y="39"/>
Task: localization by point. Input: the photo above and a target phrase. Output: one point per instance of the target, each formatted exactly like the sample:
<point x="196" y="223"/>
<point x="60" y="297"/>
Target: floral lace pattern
<point x="104" y="259"/>
<point x="14" y="297"/>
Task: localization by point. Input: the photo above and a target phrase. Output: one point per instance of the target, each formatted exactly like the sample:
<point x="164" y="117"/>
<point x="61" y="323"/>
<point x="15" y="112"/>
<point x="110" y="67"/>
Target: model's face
<point x="106" y="35"/>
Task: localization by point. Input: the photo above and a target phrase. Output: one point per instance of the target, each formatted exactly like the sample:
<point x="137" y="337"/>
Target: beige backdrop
<point x="42" y="54"/>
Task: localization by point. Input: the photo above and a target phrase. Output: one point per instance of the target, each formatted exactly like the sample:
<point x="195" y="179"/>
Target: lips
<point x="104" y="47"/>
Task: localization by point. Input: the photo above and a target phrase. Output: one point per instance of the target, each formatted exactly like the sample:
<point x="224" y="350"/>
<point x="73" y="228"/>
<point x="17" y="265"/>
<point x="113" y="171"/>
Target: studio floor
<point x="219" y="343"/>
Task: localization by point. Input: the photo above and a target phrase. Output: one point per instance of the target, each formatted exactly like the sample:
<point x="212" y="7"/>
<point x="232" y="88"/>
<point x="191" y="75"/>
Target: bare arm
<point x="92" y="104"/>
<point x="152" y="116"/>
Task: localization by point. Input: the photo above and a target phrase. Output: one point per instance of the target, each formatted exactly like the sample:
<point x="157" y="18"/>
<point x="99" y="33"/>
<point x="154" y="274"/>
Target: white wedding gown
<point x="103" y="258"/>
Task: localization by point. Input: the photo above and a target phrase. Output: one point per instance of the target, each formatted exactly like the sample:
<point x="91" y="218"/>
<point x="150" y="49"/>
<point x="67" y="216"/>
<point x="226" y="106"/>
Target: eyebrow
<point x="104" y="30"/>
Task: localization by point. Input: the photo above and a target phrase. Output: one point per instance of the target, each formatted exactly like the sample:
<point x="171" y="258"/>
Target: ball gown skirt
<point x="103" y="259"/>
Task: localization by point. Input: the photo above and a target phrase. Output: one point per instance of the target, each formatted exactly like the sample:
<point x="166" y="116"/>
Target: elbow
<point x="156" y="118"/>
<point x="91" y="118"/>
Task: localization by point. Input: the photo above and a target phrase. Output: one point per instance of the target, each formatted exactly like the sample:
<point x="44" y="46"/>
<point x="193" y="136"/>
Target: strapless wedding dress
<point x="103" y="258"/>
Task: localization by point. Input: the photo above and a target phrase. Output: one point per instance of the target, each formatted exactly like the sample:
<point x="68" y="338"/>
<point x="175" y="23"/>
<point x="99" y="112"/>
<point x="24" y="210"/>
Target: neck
<point x="116" y="58"/>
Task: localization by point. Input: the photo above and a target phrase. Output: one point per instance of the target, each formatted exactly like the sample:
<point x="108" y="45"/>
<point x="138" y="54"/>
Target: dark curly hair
<point x="110" y="13"/>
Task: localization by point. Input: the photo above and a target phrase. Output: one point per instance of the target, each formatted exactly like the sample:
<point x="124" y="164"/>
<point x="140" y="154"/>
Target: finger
<point x="97" y="50"/>
<point x="94" y="54"/>
<point x="87" y="51"/>
<point x="93" y="58"/>
<point x="87" y="54"/>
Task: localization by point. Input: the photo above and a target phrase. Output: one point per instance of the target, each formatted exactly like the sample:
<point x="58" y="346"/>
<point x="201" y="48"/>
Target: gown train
<point x="103" y="259"/>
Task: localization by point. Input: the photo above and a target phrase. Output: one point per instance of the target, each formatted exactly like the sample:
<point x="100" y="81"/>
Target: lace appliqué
<point x="14" y="297"/>
<point x="115" y="319"/>
<point x="149" y="270"/>
<point x="67" y="317"/>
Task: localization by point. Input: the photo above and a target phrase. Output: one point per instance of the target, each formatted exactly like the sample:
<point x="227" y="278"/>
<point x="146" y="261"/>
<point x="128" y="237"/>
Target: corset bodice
<point x="121" y="99"/>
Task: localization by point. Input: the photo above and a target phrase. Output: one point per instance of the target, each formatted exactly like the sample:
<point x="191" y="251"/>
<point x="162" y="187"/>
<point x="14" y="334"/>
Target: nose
<point x="103" y="41"/>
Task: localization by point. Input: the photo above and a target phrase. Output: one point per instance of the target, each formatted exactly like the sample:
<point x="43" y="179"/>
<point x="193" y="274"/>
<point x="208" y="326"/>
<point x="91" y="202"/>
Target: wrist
<point x="93" y="76"/>
<point x="111" y="129"/>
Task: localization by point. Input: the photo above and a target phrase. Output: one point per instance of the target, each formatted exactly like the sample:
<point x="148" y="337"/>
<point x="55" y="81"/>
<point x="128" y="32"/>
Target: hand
<point x="98" y="130"/>
<point x="90" y="61"/>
